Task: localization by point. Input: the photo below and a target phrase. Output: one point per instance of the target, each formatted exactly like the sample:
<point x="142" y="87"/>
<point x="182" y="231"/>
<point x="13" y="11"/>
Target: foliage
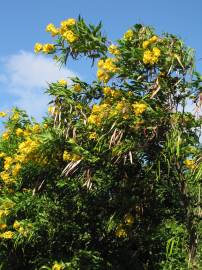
<point x="111" y="178"/>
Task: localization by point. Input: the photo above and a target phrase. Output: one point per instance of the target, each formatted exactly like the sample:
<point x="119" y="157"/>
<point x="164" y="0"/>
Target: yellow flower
<point x="38" y="47"/>
<point x="69" y="36"/>
<point x="5" y="135"/>
<point x="69" y="156"/>
<point x="145" y="44"/>
<point x="147" y="57"/>
<point x="68" y="22"/>
<point x="2" y="154"/>
<point x="120" y="105"/>
<point x="52" y="29"/>
<point x="48" y="48"/>
<point x="100" y="63"/>
<point x="8" y="162"/>
<point x="92" y="135"/>
<point x="4" y="213"/>
<point x="156" y="52"/>
<point x="3" y="226"/>
<point x="93" y="119"/>
<point x="151" y="57"/>
<point x="109" y="65"/>
<point x="3" y="114"/>
<point x="5" y="177"/>
<point x="121" y="233"/>
<point x="16" y="169"/>
<point x="128" y="35"/>
<point x="129" y="219"/>
<point x="7" y="235"/>
<point x="23" y="231"/>
<point x="62" y="82"/>
<point x="190" y="163"/>
<point x="100" y="108"/>
<point x="139" y="108"/>
<point x="102" y="75"/>
<point x="15" y="116"/>
<point x="153" y="39"/>
<point x="57" y="266"/>
<point x="106" y="68"/>
<point x="36" y="128"/>
<point x="21" y="158"/>
<point x="107" y="90"/>
<point x="16" y="225"/>
<point x="113" y="50"/>
<point x="27" y="132"/>
<point x="19" y="132"/>
<point x="77" y="87"/>
<point x="66" y="156"/>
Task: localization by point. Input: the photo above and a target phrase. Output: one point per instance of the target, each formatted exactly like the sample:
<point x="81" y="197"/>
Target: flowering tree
<point x="111" y="178"/>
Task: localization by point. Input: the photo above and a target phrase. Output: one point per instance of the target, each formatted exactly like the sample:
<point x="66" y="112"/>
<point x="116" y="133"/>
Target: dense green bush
<point x="111" y="178"/>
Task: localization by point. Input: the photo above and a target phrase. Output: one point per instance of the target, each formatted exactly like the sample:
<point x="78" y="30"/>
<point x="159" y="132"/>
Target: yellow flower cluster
<point x="27" y="147"/>
<point x="70" y="156"/>
<point x="3" y="114"/>
<point x="106" y="68"/>
<point x="128" y="35"/>
<point x="66" y="30"/>
<point x="46" y="48"/>
<point x="5" y="135"/>
<point x="70" y="36"/>
<point x="15" y="116"/>
<point x="190" y="164"/>
<point x="7" y="235"/>
<point x="122" y="109"/>
<point x="92" y="135"/>
<point x="150" y="41"/>
<point x="19" y="132"/>
<point x="4" y="212"/>
<point x="3" y="226"/>
<point x="113" y="49"/>
<point x="52" y="29"/>
<point x="2" y="154"/>
<point x="6" y="177"/>
<point x="25" y="152"/>
<point x="62" y="82"/>
<point x="99" y="112"/>
<point x="151" y="56"/>
<point x="139" y="108"/>
<point x="16" y="225"/>
<point x="120" y="232"/>
<point x="67" y="23"/>
<point x="77" y="87"/>
<point x="58" y="266"/>
<point x="110" y="92"/>
<point x="11" y="169"/>
<point x="20" y="228"/>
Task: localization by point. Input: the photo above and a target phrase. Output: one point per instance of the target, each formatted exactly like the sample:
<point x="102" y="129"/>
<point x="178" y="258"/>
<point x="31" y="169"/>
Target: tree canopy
<point x="111" y="178"/>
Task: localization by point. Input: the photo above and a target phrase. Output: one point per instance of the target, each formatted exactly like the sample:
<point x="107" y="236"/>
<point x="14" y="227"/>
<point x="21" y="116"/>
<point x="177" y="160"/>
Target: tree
<point x="111" y="178"/>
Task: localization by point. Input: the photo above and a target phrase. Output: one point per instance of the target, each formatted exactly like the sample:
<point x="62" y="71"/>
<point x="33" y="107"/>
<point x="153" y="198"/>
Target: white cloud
<point x="26" y="76"/>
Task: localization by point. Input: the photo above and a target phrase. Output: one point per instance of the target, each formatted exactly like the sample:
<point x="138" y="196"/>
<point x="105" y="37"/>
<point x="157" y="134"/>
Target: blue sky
<point x="23" y="76"/>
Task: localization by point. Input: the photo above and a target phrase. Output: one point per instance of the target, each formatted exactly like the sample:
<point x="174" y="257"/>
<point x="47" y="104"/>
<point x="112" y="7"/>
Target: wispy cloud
<point x="25" y="77"/>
